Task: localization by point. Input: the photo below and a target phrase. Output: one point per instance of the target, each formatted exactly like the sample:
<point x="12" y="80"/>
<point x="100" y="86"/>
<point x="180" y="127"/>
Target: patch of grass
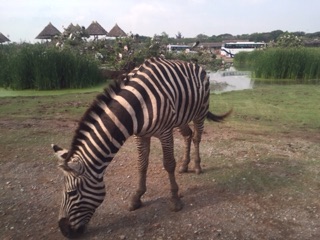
<point x="258" y="176"/>
<point x="258" y="160"/>
<point x="274" y="105"/>
<point x="66" y="106"/>
<point x="46" y="104"/>
<point x="33" y="93"/>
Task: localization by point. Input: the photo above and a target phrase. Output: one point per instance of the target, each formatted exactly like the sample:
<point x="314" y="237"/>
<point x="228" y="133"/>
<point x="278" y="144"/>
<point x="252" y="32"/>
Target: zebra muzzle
<point x="68" y="231"/>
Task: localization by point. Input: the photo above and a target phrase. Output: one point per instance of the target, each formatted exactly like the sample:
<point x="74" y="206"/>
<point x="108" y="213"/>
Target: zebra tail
<point x="218" y="118"/>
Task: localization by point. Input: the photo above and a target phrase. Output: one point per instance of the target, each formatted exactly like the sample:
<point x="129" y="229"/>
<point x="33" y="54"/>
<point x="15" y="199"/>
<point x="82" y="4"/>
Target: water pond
<point x="230" y="80"/>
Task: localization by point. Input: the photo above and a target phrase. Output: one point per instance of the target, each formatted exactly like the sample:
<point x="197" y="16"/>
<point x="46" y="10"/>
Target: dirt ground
<point x="253" y="187"/>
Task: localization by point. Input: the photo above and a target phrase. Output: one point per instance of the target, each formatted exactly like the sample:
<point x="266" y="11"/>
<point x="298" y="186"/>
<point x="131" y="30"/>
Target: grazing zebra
<point x="155" y="98"/>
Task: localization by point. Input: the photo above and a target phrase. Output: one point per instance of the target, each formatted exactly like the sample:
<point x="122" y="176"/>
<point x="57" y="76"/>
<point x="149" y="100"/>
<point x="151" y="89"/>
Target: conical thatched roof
<point x="48" y="32"/>
<point x="96" y="29"/>
<point x="3" y="38"/>
<point x="116" y="31"/>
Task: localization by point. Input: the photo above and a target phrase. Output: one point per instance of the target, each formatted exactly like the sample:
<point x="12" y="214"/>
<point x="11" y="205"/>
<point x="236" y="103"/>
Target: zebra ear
<point x="65" y="167"/>
<point x="59" y="152"/>
<point x="72" y="166"/>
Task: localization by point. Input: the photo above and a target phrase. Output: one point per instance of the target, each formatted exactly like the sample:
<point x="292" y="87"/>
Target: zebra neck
<point x="106" y="126"/>
<point x="97" y="149"/>
<point x="102" y="141"/>
<point x="101" y="135"/>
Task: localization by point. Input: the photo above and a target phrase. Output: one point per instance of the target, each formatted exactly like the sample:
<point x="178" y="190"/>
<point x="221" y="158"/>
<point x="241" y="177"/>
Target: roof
<point x="211" y="45"/>
<point x="96" y="29"/>
<point x="312" y="43"/>
<point x="48" y="32"/>
<point x="116" y="31"/>
<point x="3" y="38"/>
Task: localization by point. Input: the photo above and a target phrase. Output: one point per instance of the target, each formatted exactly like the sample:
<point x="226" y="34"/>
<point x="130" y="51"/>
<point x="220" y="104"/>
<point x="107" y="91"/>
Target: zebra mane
<point x="106" y="96"/>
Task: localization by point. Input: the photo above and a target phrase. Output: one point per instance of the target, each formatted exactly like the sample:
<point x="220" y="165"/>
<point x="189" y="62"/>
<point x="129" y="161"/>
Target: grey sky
<point x="22" y="20"/>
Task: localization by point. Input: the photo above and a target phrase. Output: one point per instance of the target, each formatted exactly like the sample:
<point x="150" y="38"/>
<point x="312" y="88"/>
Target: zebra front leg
<point x="169" y="164"/>
<point x="186" y="132"/>
<point x="198" y="129"/>
<point x="143" y="145"/>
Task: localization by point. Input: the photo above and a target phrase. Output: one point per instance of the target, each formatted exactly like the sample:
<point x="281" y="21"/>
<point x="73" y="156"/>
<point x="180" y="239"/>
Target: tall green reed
<point x="38" y="66"/>
<point x="296" y="65"/>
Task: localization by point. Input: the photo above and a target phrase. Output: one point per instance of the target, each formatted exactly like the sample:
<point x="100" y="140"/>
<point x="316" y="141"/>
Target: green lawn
<point x="291" y="106"/>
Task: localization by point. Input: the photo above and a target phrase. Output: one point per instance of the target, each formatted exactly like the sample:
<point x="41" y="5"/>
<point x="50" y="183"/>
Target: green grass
<point x="46" y="104"/>
<point x="55" y="106"/>
<point x="271" y="143"/>
<point x="272" y="105"/>
<point x="279" y="106"/>
<point x="28" y="93"/>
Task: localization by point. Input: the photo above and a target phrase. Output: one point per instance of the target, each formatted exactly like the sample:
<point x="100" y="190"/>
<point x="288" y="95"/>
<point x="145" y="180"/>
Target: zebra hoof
<point x="183" y="169"/>
<point x="198" y="171"/>
<point x="135" y="205"/>
<point x="177" y="205"/>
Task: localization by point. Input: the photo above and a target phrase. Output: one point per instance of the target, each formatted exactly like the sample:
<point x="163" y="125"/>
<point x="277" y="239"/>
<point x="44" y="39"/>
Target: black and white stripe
<point x="152" y="100"/>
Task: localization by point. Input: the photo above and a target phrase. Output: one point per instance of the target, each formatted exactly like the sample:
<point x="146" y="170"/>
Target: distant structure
<point x="212" y="47"/>
<point x="116" y="31"/>
<point x="3" y="38"/>
<point x="96" y="30"/>
<point x="312" y="43"/>
<point x="48" y="32"/>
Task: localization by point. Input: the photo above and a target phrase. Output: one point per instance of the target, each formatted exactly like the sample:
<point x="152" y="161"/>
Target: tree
<point x="288" y="40"/>
<point x="179" y="35"/>
<point x="275" y="34"/>
<point x="226" y="36"/>
<point x="202" y="37"/>
<point x="164" y="38"/>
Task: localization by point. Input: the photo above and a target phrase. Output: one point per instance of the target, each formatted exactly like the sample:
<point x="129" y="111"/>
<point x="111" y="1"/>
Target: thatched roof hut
<point x="3" y="38"/>
<point x="48" y="32"/>
<point x="116" y="31"/>
<point x="95" y="29"/>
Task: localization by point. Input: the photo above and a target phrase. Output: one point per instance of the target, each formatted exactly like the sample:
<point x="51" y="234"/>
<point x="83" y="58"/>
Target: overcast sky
<point x="23" y="20"/>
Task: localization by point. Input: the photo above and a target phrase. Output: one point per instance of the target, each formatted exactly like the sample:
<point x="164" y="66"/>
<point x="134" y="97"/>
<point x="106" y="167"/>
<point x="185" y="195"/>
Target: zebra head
<point x="81" y="196"/>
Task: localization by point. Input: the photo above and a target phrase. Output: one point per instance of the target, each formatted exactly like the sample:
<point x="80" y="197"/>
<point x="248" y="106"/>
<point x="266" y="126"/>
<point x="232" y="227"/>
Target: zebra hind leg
<point x="169" y="164"/>
<point x="186" y="132"/>
<point x="198" y="129"/>
<point x="143" y="145"/>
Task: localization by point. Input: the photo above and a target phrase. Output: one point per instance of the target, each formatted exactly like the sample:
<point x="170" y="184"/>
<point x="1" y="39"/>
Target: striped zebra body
<point x="152" y="100"/>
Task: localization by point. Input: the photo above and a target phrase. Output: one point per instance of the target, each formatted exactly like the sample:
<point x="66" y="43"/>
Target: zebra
<point x="155" y="98"/>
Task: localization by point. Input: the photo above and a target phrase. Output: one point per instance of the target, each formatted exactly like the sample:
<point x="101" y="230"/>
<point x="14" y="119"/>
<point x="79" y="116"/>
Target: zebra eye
<point x="72" y="193"/>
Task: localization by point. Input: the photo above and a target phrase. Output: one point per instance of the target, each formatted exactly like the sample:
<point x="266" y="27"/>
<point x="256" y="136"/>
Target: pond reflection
<point x="230" y="80"/>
